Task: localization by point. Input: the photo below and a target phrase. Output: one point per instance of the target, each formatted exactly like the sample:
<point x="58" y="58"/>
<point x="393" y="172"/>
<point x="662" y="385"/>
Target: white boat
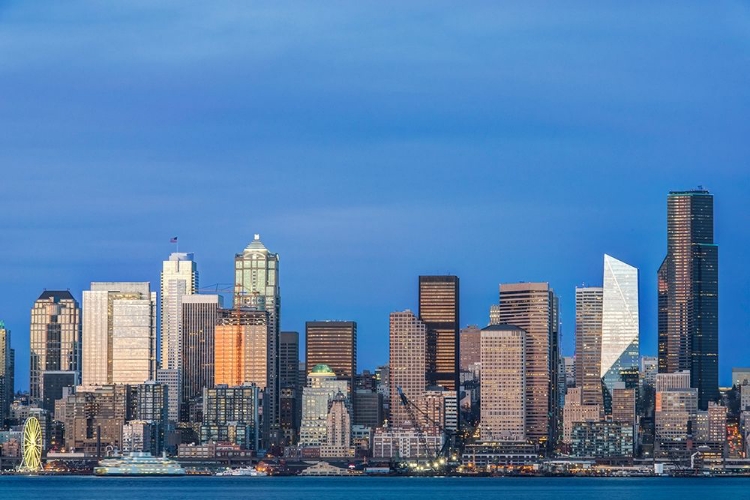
<point x="138" y="464"/>
<point x="242" y="471"/>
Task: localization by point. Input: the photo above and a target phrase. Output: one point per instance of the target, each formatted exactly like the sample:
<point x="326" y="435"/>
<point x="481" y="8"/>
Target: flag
<point x="173" y="240"/>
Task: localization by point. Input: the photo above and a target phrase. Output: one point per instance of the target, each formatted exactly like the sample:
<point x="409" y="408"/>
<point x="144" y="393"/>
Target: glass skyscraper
<point x="620" y="324"/>
<point x="688" y="291"/>
<point x="438" y="310"/>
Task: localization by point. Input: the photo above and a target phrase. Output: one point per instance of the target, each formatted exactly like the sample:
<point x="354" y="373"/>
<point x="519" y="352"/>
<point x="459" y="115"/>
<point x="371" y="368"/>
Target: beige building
<point x="574" y="412"/>
<point x="675" y="408"/>
<point x="589" y="309"/>
<point x="623" y="405"/>
<point x="407" y="363"/>
<point x="405" y="443"/>
<point x="338" y="441"/>
<point x="669" y="381"/>
<point x="119" y="333"/>
<point x="534" y="308"/>
<point x="470" y="339"/>
<point x="503" y="408"/>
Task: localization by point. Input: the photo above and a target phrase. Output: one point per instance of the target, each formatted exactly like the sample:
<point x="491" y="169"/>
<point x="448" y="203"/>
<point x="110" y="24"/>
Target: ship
<point x="138" y="464"/>
<point x="243" y="471"/>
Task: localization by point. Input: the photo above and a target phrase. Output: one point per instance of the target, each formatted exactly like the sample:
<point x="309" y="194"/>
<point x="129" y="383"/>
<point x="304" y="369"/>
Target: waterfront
<point x="366" y="488"/>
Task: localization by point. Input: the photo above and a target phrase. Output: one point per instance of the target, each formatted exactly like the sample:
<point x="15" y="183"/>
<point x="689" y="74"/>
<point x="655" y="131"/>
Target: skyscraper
<point x="332" y="343"/>
<point x="470" y="347"/>
<point x="200" y="315"/>
<point x="241" y="348"/>
<point x="439" y="311"/>
<point x="256" y="284"/>
<point x="589" y="344"/>
<point x="119" y="333"/>
<point x="620" y="325"/>
<point x="55" y="342"/>
<point x="688" y="288"/>
<point x="408" y="338"/>
<point x="6" y="373"/>
<point x="534" y="308"/>
<point x="179" y="277"/>
<point x="290" y="407"/>
<point x="503" y="408"/>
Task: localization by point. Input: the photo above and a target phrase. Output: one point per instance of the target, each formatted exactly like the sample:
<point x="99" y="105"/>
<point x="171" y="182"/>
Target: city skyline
<point x="496" y="144"/>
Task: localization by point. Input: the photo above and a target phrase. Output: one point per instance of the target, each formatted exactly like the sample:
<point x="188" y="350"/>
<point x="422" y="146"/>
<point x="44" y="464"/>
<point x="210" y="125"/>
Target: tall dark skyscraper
<point x="199" y="317"/>
<point x="688" y="288"/>
<point x="332" y="343"/>
<point x="439" y="311"/>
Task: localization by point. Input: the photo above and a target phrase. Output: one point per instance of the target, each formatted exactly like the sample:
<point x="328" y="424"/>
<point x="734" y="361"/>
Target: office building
<point x="439" y="311"/>
<point x="589" y="309"/>
<point x="470" y="341"/>
<point x="241" y="348"/>
<point x="200" y="315"/>
<point x="623" y="404"/>
<point x="602" y="440"/>
<point x="408" y="337"/>
<point x="574" y="412"/>
<point x="740" y="376"/>
<point x="534" y="308"/>
<point x="368" y="408"/>
<point x="290" y="407"/>
<point x="322" y="386"/>
<point x="230" y="414"/>
<point x="256" y="285"/>
<point x="688" y="291"/>
<point x="569" y="363"/>
<point x="620" y="326"/>
<point x="332" y="343"/>
<point x="53" y="385"/>
<point x="119" y="334"/>
<point x="6" y="373"/>
<point x="503" y="409"/>
<point x="338" y="441"/>
<point x="55" y="338"/>
<point x="179" y="277"/>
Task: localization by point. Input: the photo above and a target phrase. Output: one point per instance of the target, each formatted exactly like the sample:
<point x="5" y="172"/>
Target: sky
<point x="368" y="143"/>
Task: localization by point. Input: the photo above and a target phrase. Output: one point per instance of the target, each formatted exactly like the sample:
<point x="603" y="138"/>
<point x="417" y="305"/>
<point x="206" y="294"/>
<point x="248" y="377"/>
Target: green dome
<point x="322" y="369"/>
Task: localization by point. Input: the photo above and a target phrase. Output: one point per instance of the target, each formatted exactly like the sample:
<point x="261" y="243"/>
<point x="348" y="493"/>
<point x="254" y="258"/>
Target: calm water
<point x="370" y="488"/>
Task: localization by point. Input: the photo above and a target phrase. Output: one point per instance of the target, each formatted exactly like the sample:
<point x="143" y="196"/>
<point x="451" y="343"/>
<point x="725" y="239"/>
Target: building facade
<point x="241" y="348"/>
<point x="200" y="315"/>
<point x="332" y="343"/>
<point x="503" y="408"/>
<point x="439" y="311"/>
<point x="408" y="337"/>
<point x="230" y="414"/>
<point x="534" y="308"/>
<point x="55" y="342"/>
<point x="119" y="333"/>
<point x="688" y="290"/>
<point x="588" y="360"/>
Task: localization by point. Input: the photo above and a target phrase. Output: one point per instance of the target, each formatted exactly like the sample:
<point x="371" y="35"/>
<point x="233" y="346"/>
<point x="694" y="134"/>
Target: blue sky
<point x="369" y="143"/>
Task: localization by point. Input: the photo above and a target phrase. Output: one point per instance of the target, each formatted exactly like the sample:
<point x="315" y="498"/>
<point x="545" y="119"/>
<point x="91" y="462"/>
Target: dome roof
<point x="322" y="370"/>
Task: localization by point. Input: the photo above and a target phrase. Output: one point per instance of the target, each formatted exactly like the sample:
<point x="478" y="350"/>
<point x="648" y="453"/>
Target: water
<point x="369" y="488"/>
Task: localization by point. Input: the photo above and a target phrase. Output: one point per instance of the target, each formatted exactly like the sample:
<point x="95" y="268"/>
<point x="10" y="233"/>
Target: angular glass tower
<point x="620" y="326"/>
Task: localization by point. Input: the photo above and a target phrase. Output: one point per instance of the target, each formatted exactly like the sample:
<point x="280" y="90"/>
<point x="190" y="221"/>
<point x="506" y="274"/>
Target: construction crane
<point x="443" y="454"/>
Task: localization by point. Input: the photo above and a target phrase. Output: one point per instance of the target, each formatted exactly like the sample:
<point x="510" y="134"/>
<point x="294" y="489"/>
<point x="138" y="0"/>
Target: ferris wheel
<point x="32" y="446"/>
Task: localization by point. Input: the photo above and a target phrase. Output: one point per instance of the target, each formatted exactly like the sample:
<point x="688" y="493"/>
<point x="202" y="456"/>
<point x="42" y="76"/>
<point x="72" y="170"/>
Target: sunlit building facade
<point x="119" y="333"/>
<point x="620" y="324"/>
<point x="256" y="285"/>
<point x="55" y="341"/>
<point x="240" y="349"/>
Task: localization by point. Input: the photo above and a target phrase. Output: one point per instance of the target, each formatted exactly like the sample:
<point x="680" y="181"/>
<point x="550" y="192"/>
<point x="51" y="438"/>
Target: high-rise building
<point x="290" y="411"/>
<point x="338" y="429"/>
<point x="179" y="277"/>
<point x="55" y="343"/>
<point x="53" y="387"/>
<point x="503" y="408"/>
<point x="408" y="337"/>
<point x="569" y="363"/>
<point x="575" y="412"/>
<point x="688" y="288"/>
<point x="6" y="373"/>
<point x="589" y="344"/>
<point x="534" y="308"/>
<point x="200" y="314"/>
<point x="230" y="414"/>
<point x="620" y="325"/>
<point x="241" y="345"/>
<point x="439" y="311"/>
<point x="332" y="343"/>
<point x="322" y="387"/>
<point x="119" y="333"/>
<point x="470" y="347"/>
<point x="256" y="284"/>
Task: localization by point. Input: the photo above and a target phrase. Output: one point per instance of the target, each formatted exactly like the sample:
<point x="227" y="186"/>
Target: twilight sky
<point x="369" y="143"/>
